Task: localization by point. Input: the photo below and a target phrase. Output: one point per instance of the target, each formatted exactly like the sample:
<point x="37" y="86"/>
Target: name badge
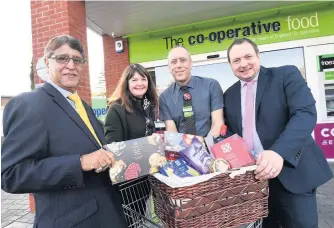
<point x="187" y="109"/>
<point x="159" y="124"/>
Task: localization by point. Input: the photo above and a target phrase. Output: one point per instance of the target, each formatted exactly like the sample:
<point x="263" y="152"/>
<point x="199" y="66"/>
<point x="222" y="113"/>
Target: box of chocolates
<point x="233" y="150"/>
<point x="175" y="142"/>
<point x="136" y="158"/>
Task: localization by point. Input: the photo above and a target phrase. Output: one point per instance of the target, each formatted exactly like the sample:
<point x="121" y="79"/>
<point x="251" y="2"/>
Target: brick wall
<point x="52" y="18"/>
<point x="114" y="63"/>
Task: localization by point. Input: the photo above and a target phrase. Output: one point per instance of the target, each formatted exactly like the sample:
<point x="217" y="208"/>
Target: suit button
<point x="298" y="155"/>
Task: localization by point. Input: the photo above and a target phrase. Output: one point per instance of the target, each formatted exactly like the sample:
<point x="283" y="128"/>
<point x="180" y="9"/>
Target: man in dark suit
<point x="274" y="110"/>
<point x="52" y="148"/>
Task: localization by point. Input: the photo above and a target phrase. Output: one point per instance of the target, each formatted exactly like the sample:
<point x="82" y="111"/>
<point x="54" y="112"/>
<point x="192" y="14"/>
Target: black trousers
<point x="288" y="210"/>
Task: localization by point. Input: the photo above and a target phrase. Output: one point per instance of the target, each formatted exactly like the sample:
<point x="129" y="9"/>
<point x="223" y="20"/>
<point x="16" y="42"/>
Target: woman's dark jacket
<point x="121" y="125"/>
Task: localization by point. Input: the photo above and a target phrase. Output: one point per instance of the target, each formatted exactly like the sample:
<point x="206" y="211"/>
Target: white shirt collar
<point x="64" y="92"/>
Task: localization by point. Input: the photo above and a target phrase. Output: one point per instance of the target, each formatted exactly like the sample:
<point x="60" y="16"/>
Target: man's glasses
<point x="64" y="59"/>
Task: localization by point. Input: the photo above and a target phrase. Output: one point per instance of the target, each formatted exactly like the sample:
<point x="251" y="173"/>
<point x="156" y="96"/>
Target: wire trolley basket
<point x="138" y="206"/>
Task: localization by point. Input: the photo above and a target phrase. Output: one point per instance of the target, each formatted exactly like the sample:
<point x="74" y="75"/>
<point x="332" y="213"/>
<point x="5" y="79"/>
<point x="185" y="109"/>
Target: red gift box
<point x="234" y="150"/>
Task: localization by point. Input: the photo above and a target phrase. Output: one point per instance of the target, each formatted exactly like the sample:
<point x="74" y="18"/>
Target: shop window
<point x="222" y="71"/>
<point x="329" y="94"/>
<point x="325" y="67"/>
<point x="152" y="73"/>
<point x="219" y="71"/>
<point x="293" y="56"/>
<point x="163" y="78"/>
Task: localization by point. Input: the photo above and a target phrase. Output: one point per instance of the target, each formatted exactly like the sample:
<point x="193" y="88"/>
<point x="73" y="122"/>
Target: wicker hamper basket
<point x="218" y="202"/>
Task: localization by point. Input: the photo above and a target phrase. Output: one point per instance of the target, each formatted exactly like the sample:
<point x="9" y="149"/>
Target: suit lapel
<point x="237" y="106"/>
<point x="61" y="101"/>
<point x="96" y="125"/>
<point x="261" y="87"/>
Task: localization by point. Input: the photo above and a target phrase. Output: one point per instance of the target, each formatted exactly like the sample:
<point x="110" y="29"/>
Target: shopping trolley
<point x="139" y="209"/>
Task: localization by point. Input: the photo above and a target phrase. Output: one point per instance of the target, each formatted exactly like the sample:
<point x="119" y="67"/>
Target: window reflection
<point x="223" y="73"/>
<point x="219" y="71"/>
<point x="163" y="78"/>
<point x="293" y="56"/>
<point x="329" y="93"/>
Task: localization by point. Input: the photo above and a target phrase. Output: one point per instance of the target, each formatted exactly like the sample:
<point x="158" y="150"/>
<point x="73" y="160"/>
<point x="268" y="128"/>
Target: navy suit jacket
<point x="285" y="118"/>
<point x="44" y="138"/>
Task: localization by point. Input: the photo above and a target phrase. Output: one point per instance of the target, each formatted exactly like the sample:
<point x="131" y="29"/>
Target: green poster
<point x="99" y="105"/>
<point x="315" y="20"/>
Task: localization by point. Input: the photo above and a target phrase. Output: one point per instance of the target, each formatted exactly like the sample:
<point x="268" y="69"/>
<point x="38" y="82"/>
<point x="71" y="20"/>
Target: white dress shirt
<point x="63" y="92"/>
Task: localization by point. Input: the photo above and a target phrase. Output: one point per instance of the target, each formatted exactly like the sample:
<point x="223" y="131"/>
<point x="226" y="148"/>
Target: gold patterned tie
<point x="83" y="114"/>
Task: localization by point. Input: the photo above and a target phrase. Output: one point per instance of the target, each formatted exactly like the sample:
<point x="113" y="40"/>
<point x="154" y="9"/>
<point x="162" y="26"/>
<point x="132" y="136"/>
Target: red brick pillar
<point x="114" y="63"/>
<point x="52" y="18"/>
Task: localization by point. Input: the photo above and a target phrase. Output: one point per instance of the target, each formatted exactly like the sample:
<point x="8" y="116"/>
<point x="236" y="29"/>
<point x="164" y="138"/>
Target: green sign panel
<point x="294" y="26"/>
<point x="99" y="105"/>
<point x="326" y="65"/>
<point x="329" y="75"/>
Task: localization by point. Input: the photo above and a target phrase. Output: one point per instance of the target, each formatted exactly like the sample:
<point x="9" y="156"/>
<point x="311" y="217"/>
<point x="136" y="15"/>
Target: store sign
<point x="99" y="105"/>
<point x="309" y="24"/>
<point x="324" y="136"/>
<point x="329" y="75"/>
<point x="326" y="62"/>
<point x="326" y="65"/>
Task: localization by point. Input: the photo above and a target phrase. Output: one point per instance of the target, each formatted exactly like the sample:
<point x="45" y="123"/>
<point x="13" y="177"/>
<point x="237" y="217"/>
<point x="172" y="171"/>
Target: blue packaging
<point x="178" y="168"/>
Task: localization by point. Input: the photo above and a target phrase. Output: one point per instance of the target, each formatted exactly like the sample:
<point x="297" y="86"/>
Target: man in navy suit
<point x="52" y="148"/>
<point x="274" y="110"/>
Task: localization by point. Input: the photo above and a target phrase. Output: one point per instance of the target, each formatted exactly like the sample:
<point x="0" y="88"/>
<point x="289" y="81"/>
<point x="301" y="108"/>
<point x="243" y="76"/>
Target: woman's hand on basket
<point x="269" y="164"/>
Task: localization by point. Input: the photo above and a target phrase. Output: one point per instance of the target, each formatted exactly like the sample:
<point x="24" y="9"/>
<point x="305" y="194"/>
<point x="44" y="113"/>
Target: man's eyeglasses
<point x="64" y="59"/>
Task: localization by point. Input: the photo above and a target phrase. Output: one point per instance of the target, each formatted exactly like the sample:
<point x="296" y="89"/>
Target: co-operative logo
<point x="326" y="132"/>
<point x="226" y="148"/>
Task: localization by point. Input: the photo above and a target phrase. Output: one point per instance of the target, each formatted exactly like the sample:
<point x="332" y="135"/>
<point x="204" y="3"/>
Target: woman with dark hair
<point x="131" y="115"/>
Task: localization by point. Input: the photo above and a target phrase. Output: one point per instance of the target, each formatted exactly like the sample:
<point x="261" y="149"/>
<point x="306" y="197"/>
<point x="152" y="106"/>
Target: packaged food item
<point x="116" y="173"/>
<point x="197" y="157"/>
<point x="137" y="157"/>
<point x="156" y="160"/>
<point x="233" y="150"/>
<point x="178" y="168"/>
<point x="132" y="171"/>
<point x="175" y="142"/>
<point x="219" y="165"/>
